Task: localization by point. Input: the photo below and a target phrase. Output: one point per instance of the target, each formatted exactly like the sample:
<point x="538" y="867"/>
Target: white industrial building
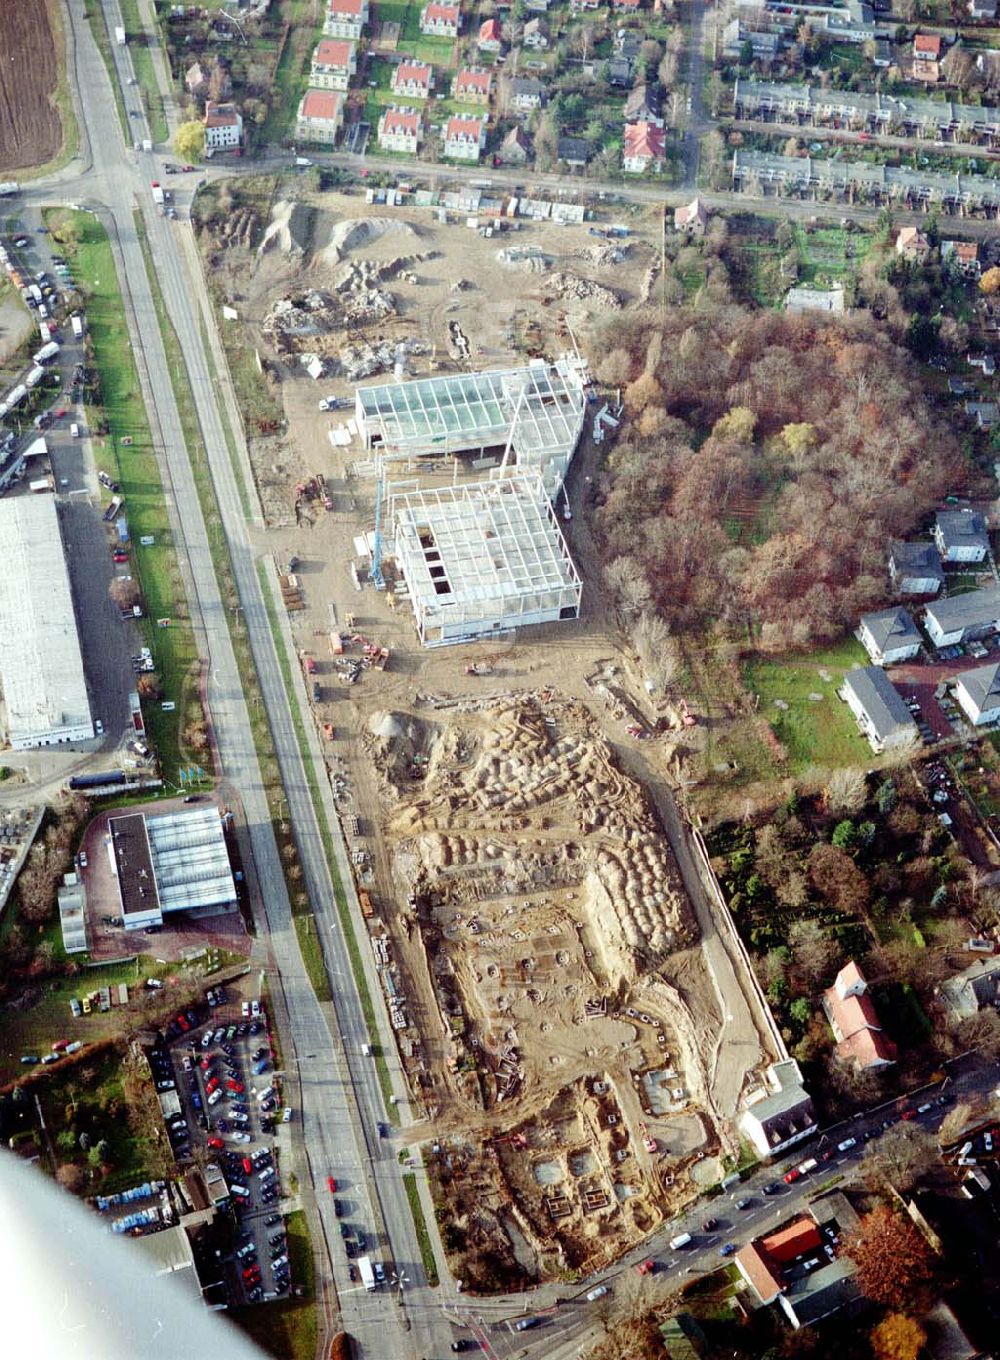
<point x="177" y="861"/>
<point x="41" y="670"/>
<point x="481" y="558"/>
<point x="533" y="413"/>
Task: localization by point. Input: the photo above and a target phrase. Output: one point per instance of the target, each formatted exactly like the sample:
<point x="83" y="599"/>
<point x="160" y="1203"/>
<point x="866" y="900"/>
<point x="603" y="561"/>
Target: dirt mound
<point x="288" y="230"/>
<point x="358" y="232"/>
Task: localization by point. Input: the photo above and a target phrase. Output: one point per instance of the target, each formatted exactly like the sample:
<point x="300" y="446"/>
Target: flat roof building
<point x="539" y="408"/>
<point x="72" y="914"/>
<point x="481" y="558"/>
<point x="41" y="670"/>
<point x="174" y="862"/>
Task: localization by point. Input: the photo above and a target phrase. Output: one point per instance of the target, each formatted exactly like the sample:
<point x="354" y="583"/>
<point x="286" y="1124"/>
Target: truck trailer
<point x="46" y="353"/>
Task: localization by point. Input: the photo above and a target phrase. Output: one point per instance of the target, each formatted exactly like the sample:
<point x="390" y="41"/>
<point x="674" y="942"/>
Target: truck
<point x="46" y="353"/>
<point x="34" y="377"/>
<point x="76" y="321"/>
<point x="158" y="195"/>
<point x="121" y="526"/>
<point x="120" y="38"/>
<point x="366" y="1273"/>
<point x="302" y="160"/>
<point x="9" y="188"/>
<point x="681" y="1241"/>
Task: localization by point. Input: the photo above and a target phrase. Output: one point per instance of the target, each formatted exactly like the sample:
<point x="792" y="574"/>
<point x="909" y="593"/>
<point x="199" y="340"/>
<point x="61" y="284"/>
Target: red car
<point x="251" y="1273"/>
<point x="184" y="1023"/>
<point x="236" y="1086"/>
<point x="212" y="1085"/>
<point x="331" y="1184"/>
<point x="790" y="1177"/>
<point x="205" y="1064"/>
<point x="908" y="1114"/>
<point x="247" y="1165"/>
<point x="216" y="1143"/>
<point x="60" y="413"/>
<point x="646" y="1267"/>
<point x="59" y="1045"/>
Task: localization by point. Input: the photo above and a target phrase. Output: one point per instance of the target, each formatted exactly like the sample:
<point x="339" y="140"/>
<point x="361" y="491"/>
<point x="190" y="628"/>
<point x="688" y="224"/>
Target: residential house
<point x="926" y="65"/>
<point x="881" y="53"/>
<point x="912" y="244"/>
<point x="464" y="138"/>
<point x="345" y="19"/>
<point x="334" y="62"/>
<point x="472" y="87"/>
<point x="643" y="106"/>
<point x="811" y="1297"/>
<point x="915" y="568"/>
<point x="490" y="36"/>
<point x="413" y="79"/>
<point x="855" y="1021"/>
<point x="782" y="1115"/>
<point x="963" y="618"/>
<point x="972" y="990"/>
<point x="573" y="151"/>
<point x="526" y="94"/>
<point x="628" y="43"/>
<point x="535" y="35"/>
<point x="618" y="72"/>
<point x="440" y="21"/>
<point x="961" y="536"/>
<point x="515" y="147"/>
<point x="781" y="1267"/>
<point x="986" y="414"/>
<point x="983" y="9"/>
<point x="626" y="6"/>
<point x="986" y="363"/>
<point x="195" y="79"/>
<point x="223" y="128"/>
<point x="644" y="148"/>
<point x="321" y="113"/>
<point x="764" y="44"/>
<point x="881" y="715"/>
<point x="978" y="694"/>
<point x="961" y="255"/>
<point x="889" y="636"/>
<point x="691" y="218"/>
<point x="400" y="130"/>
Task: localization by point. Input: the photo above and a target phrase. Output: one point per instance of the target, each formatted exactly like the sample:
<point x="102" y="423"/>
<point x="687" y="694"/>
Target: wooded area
<point x="765" y="461"/>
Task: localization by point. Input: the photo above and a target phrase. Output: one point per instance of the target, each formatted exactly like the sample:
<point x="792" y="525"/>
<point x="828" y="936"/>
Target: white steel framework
<point x="481" y="558"/>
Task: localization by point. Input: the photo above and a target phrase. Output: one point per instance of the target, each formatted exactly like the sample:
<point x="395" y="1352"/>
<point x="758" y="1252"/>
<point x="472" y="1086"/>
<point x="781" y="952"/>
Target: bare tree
<point x="900" y="1158"/>
<point x="125" y="592"/>
<point x="845" y="790"/>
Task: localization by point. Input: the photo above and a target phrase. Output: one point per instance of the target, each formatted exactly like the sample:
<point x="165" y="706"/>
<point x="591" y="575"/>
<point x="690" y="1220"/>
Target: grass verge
<point x="420" y="1224"/>
<point x="136" y="469"/>
<point x="343" y="908"/>
<point x="287" y="1328"/>
<point x="142" y="64"/>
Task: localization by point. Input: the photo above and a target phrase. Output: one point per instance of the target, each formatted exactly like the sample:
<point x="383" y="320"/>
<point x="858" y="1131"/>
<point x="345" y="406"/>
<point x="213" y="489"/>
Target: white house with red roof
<point x="334" y="62"/>
<point x="464" y="138"/>
<point x="472" y="87"/>
<point x="223" y="128"/>
<point x="644" y="148"/>
<point x="855" y="1021"/>
<point x="345" y="18"/>
<point x="440" y="21"/>
<point x="400" y="130"/>
<point x="414" y="79"/>
<point x="321" y="113"/>
<point x="490" y="36"/>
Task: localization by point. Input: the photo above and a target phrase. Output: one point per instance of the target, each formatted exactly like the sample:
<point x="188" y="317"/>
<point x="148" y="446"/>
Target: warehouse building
<point x="45" y="699"/>
<point x="481" y="558"/>
<point x="177" y="861"/>
<point x="534" y="414"/>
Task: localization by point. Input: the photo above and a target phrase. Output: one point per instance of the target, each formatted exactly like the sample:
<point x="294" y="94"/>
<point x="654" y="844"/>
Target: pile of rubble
<point x="583" y="290"/>
<point x="296" y="315"/>
<point x="361" y="360"/>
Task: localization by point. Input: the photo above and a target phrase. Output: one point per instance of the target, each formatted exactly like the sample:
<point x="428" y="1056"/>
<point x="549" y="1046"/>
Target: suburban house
<point x="490" y="36"/>
<point x="618" y="71"/>
<point x="978" y="694"/>
<point x="644" y="148"/>
<point x="642" y="105"/>
<point x="573" y="151"/>
<point x="889" y="635"/>
<point x="963" y="618"/>
<point x="345" y="18"/>
<point x="962" y="255"/>
<point x="912" y="244"/>
<point x="440" y="21"/>
<point x="783" y="1114"/>
<point x="626" y="6"/>
<point x="986" y="363"/>
<point x="855" y="1023"/>
<point x="472" y="87"/>
<point x="797" y="1265"/>
<point x="223" y="128"/>
<point x="399" y="130"/>
<point x="915" y="568"/>
<point x="414" y="79"/>
<point x="195" y="79"/>
<point x="334" y="62"/>
<point x="986" y="414"/>
<point x="526" y="94"/>
<point x="691" y="218"/>
<point x="961" y="536"/>
<point x="983" y="9"/>
<point x="515" y="147"/>
<point x="881" y="715"/>
<point x="464" y="138"/>
<point x="535" y="35"/>
<point x="764" y="43"/>
<point x="973" y="989"/>
<point x="927" y="58"/>
<point x="321" y="113"/>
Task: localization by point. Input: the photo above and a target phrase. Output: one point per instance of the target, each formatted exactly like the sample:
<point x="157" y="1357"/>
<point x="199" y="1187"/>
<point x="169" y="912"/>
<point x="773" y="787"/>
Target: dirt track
<point x="30" y="129"/>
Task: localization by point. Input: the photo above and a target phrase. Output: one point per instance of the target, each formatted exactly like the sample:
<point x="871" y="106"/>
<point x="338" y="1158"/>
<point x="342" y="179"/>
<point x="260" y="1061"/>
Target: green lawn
<point x="136" y="468"/>
<point x="291" y="74"/>
<point x="420" y="1224"/>
<point x="142" y="62"/>
<point x="819" y="733"/>
<point x="287" y="1328"/>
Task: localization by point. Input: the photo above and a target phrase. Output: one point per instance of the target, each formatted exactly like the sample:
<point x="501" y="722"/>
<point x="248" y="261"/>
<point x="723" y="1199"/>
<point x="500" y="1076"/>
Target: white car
<point x="99" y="727"/>
<point x="255" y="1009"/>
<point x="245" y="1010"/>
<point x="286" y="1115"/>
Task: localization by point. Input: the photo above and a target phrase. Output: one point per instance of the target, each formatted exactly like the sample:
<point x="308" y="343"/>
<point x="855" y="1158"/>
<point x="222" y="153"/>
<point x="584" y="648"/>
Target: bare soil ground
<point x="539" y="954"/>
<point x="30" y="128"/>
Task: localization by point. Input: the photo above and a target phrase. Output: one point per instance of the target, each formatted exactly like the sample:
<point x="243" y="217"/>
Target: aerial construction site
<point x="499" y="763"/>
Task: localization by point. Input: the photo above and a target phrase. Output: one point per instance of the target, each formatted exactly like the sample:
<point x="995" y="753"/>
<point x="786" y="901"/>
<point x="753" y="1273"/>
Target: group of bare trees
<point x="48" y="859"/>
<point x="765" y="462"/>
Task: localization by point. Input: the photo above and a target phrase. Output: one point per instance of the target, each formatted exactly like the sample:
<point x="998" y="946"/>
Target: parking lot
<point x="213" y="1074"/>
